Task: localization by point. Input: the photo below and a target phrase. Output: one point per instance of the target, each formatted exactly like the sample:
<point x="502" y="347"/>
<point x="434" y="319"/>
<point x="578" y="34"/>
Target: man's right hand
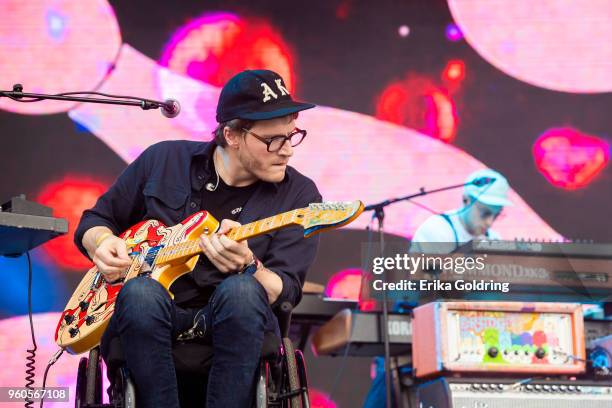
<point x="111" y="258"/>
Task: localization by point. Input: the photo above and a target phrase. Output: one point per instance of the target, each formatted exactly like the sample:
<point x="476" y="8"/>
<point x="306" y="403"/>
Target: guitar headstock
<point x="331" y="214"/>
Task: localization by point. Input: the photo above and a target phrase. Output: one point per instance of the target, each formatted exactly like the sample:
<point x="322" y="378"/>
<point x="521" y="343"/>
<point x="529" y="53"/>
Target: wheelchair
<point x="281" y="381"/>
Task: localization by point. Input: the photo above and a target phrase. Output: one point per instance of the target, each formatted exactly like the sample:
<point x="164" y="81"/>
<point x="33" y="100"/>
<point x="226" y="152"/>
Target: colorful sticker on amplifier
<point x="513" y="338"/>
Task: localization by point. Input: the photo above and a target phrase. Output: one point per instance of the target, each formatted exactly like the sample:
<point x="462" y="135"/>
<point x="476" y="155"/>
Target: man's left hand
<point x="226" y="254"/>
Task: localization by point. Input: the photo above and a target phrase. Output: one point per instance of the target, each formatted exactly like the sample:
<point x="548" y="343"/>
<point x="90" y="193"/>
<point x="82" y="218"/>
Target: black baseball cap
<point x="256" y="95"/>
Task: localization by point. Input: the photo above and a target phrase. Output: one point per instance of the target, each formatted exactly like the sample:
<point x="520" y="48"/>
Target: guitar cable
<point x="52" y="361"/>
<point x="31" y="357"/>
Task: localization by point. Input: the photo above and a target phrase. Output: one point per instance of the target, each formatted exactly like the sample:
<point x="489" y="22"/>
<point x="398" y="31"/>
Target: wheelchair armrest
<point x="284" y="318"/>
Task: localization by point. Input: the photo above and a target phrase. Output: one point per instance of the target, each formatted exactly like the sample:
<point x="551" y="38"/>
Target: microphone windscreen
<point x="171" y="108"/>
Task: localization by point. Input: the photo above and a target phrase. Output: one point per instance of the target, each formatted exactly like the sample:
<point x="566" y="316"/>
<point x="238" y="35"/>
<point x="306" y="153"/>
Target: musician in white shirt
<point x="483" y="202"/>
<point x="482" y="205"/>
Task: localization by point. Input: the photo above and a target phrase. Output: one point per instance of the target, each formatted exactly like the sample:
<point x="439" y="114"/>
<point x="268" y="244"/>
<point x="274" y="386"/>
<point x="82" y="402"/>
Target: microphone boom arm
<point x="422" y="192"/>
<point x="170" y="107"/>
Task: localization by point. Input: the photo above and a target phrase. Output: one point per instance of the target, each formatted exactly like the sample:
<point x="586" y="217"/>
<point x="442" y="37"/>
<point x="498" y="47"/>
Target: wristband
<point x="102" y="237"/>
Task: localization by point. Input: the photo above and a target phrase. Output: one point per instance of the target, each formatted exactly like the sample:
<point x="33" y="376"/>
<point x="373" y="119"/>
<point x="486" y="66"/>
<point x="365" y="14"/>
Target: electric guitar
<point x="165" y="254"/>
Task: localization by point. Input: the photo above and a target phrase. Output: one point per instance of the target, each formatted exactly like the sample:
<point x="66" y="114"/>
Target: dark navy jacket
<point x="165" y="183"/>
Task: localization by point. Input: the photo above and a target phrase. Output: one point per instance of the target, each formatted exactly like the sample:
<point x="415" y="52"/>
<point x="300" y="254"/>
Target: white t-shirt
<point x="438" y="231"/>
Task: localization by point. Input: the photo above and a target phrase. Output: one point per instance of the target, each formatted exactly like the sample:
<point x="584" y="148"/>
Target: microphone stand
<point x="379" y="214"/>
<point x="16" y="94"/>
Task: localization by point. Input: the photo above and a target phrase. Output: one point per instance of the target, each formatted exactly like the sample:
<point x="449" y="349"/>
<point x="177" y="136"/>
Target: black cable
<point x="423" y="206"/>
<point x="100" y="94"/>
<point x="77" y="93"/>
<point x="21" y="100"/>
<point x="463" y="209"/>
<point x="31" y="358"/>
<point x="55" y="357"/>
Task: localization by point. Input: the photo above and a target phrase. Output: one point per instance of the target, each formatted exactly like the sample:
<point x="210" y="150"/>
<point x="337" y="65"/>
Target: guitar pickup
<point x="151" y="255"/>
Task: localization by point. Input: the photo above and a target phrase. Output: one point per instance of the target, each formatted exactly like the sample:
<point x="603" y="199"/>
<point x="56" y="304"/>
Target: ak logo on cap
<point x="268" y="93"/>
<point x="256" y="95"/>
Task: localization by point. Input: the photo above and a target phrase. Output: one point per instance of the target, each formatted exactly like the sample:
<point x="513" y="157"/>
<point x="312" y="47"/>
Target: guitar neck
<point x="266" y="225"/>
<point x="190" y="248"/>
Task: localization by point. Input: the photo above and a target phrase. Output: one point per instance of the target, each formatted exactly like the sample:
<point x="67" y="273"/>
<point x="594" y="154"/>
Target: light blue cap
<point x="492" y="188"/>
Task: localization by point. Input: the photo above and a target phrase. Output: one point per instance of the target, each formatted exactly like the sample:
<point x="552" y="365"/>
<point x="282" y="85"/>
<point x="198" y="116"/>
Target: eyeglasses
<point x="486" y="212"/>
<point x="275" y="143"/>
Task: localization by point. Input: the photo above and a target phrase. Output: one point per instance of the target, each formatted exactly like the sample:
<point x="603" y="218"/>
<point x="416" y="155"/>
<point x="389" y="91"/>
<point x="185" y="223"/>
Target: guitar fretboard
<point x="253" y="229"/>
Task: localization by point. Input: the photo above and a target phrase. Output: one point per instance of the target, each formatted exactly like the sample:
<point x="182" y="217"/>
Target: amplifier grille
<point x="592" y="397"/>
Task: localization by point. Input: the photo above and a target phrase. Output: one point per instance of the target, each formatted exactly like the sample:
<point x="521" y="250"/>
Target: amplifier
<point x="487" y="393"/>
<point x="498" y="337"/>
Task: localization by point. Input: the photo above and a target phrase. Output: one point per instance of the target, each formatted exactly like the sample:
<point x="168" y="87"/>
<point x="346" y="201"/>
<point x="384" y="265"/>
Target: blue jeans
<point x="147" y="322"/>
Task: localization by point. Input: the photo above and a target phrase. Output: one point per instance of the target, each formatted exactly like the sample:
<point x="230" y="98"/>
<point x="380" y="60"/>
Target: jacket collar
<point x="204" y="154"/>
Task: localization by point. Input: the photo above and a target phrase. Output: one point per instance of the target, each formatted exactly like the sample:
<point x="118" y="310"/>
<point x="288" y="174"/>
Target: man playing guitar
<point x="240" y="176"/>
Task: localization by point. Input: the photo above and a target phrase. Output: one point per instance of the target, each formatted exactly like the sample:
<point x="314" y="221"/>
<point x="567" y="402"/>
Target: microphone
<point x="483" y="181"/>
<point x="170" y="108"/>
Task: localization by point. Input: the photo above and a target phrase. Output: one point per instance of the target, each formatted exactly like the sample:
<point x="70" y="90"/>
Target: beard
<point x="258" y="168"/>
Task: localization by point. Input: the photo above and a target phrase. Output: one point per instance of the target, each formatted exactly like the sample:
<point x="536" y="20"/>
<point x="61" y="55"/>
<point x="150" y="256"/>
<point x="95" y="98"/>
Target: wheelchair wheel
<point x="81" y="383"/>
<point x="261" y="390"/>
<point x="292" y="373"/>
<point x="93" y="387"/>
<point x="99" y="385"/>
<point x="301" y="366"/>
<point x="124" y="393"/>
